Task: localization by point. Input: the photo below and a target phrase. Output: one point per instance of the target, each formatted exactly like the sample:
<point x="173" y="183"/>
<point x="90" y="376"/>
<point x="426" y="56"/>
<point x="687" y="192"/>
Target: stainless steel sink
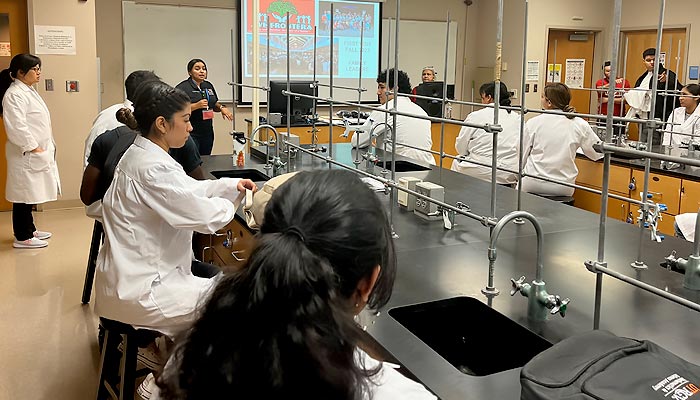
<point x="473" y="337"/>
<point x="402" y="166"/>
<point x="252" y="174"/>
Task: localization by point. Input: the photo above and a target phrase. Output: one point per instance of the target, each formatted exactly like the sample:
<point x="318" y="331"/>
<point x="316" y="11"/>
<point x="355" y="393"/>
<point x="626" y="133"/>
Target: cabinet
<point x="591" y="175"/>
<point x="690" y="197"/>
<point x="617" y="209"/>
<point x="662" y="188"/>
<point x="229" y="247"/>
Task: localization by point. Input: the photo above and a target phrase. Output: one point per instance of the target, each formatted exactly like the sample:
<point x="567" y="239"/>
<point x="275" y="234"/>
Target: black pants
<point x="22" y="221"/>
<point x="205" y="142"/>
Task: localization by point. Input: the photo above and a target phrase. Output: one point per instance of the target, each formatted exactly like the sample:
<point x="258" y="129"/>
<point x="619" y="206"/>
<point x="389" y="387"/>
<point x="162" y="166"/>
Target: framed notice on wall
<point x="574" y="72"/>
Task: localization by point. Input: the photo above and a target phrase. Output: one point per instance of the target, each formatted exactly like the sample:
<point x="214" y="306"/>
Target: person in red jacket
<point x="621" y="85"/>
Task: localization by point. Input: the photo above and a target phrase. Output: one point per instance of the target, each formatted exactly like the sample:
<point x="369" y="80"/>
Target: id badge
<point x="207" y="114"/>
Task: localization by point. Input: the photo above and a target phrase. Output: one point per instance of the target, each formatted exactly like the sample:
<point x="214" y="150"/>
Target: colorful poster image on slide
<point x="349" y="19"/>
<point x="299" y="15"/>
<point x="301" y="61"/>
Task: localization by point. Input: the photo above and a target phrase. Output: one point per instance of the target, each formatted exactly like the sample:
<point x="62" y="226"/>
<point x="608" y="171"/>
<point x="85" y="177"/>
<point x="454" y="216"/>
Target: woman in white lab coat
<point x="553" y="140"/>
<point x="32" y="174"/>
<point x="684" y="119"/>
<point x="149" y="212"/>
<point x="475" y="144"/>
<point x="283" y="327"/>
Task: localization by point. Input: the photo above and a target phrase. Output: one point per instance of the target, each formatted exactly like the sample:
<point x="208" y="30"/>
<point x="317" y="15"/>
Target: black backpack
<point x="599" y="365"/>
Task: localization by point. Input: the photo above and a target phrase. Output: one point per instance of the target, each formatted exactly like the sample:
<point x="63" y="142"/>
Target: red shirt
<point x="603" y="107"/>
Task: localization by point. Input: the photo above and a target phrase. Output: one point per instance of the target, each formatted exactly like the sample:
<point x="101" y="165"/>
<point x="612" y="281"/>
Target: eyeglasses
<point x="36" y="69"/>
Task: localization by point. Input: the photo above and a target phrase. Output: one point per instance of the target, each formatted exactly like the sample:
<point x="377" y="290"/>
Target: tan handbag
<point x="254" y="207"/>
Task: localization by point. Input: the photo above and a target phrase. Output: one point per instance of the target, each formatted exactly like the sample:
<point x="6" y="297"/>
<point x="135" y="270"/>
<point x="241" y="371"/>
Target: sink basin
<point x="474" y="338"/>
<point x="252" y="174"/>
<point x="402" y="166"/>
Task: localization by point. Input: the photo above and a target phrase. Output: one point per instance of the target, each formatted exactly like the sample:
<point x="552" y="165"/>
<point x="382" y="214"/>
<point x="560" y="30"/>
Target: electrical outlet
<point x="527" y="88"/>
<point x="48" y="84"/>
<point x="535" y="88"/>
<point x="513" y="93"/>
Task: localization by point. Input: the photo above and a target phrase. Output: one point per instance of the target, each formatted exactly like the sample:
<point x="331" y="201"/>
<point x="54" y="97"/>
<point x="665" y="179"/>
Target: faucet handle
<point x="560" y="306"/>
<point x="517" y="286"/>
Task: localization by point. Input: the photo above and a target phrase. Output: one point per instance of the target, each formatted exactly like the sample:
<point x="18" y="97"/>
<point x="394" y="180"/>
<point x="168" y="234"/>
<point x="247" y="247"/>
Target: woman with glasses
<point x="32" y="174"/>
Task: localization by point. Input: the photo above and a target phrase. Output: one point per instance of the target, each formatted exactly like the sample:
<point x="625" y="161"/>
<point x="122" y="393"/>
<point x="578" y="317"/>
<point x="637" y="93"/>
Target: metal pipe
<point x="696" y="239"/>
<point x="486" y="221"/>
<point x="444" y="93"/>
<point x="641" y="154"/>
<point x="392" y="195"/>
<point x="522" y="107"/>
<point x="606" y="159"/>
<point x="486" y="127"/>
<point x="359" y="79"/>
<point x="314" y="131"/>
<point x="468" y="103"/>
<point x="496" y="231"/>
<point x="265" y="88"/>
<point x="357" y="89"/>
<point x="289" y="99"/>
<point x="267" y="57"/>
<point x="644" y="286"/>
<point x="496" y="104"/>
<point x="330" y="88"/>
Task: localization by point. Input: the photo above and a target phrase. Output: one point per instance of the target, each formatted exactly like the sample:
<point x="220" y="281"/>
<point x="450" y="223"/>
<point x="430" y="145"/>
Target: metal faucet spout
<point x="276" y="161"/>
<point x="502" y="223"/>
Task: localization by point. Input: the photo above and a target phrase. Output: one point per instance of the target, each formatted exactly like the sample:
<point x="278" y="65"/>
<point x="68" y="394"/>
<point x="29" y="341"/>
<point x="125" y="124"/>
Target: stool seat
<point x="568" y="200"/>
<point x="118" y="373"/>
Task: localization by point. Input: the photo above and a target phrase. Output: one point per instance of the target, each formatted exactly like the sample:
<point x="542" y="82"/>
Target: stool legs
<point x="97" y="234"/>
<point x="108" y="366"/>
<point x="128" y="369"/>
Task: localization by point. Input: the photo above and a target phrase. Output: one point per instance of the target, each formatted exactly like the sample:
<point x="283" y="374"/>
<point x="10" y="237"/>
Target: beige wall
<point x="71" y="113"/>
<point x="679" y="13"/>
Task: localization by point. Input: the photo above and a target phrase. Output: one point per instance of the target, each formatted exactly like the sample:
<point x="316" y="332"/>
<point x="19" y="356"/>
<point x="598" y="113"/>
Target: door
<point x="13" y="30"/>
<point x="635" y="42"/>
<point x="572" y="45"/>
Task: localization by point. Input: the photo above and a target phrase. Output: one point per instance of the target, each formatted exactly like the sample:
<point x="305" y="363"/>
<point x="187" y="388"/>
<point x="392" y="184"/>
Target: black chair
<point x="118" y="373"/>
<point x="97" y="237"/>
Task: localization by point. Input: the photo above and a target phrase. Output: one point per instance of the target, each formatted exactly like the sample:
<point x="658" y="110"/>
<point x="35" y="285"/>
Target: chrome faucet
<point x="540" y="303"/>
<point x="691" y="266"/>
<point x="276" y="163"/>
<point x="371" y="155"/>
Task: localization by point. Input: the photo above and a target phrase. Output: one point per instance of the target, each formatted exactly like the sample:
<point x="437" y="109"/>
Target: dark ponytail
<point x="283" y="326"/>
<point x="20" y="62"/>
<point x="126" y="117"/>
<point x="154" y="99"/>
<point x="560" y="96"/>
<point x="489" y="89"/>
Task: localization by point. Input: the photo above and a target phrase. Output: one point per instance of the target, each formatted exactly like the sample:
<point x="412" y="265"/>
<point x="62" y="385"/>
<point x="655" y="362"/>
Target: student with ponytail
<point x="553" y="139"/>
<point x="32" y="174"/>
<point x="283" y="328"/>
<point x="144" y="275"/>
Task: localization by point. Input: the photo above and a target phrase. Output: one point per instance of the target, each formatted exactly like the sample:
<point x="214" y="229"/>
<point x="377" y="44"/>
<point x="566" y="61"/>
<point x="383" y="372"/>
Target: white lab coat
<point x="144" y="275"/>
<point x="686" y="224"/>
<point x="387" y="384"/>
<point x="105" y="121"/>
<point x="476" y="144"/>
<point x="550" y="152"/>
<point x="411" y="131"/>
<point x="690" y="125"/>
<point x="32" y="178"/>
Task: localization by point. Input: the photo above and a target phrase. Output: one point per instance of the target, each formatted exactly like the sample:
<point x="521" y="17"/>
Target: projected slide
<point x="351" y="21"/>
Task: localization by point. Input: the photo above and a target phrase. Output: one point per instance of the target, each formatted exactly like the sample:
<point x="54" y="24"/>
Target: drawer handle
<point x="233" y="253"/>
<point x="655" y="179"/>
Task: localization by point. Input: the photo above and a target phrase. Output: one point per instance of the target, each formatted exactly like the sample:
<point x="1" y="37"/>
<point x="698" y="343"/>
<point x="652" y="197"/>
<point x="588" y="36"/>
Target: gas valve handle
<point x="516" y="285"/>
<point x="560" y="306"/>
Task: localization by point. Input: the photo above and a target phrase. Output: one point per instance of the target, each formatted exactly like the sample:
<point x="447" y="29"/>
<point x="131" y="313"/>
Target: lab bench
<point x="435" y="263"/>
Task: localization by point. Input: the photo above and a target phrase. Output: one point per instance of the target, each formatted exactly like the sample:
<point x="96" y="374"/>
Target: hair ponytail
<point x="126" y="117"/>
<point x="489" y="89"/>
<point x="5" y="82"/>
<point x="283" y="327"/>
<point x="569" y="109"/>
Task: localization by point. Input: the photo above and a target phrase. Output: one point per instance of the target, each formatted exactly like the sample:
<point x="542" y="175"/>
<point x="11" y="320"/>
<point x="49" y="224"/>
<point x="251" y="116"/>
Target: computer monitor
<point x="300" y="106"/>
<point x="433" y="89"/>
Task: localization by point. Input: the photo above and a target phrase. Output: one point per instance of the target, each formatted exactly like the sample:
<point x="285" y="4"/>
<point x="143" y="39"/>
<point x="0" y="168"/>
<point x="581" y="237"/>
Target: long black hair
<point x="387" y="77"/>
<point x="153" y="99"/>
<point x="283" y="326"/>
<point x="489" y="89"/>
<point x="21" y="62"/>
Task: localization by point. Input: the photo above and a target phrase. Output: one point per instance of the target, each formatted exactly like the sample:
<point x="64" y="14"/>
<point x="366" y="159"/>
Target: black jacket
<point x="671" y="102"/>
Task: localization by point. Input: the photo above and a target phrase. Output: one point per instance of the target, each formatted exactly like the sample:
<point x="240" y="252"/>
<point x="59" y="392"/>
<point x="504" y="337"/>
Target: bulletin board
<point x="163" y="38"/>
<point x="421" y="43"/>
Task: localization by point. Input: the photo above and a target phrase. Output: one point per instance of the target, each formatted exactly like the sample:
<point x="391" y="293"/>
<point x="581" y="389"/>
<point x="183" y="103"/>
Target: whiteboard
<point x="163" y="38"/>
<point x="421" y="43"/>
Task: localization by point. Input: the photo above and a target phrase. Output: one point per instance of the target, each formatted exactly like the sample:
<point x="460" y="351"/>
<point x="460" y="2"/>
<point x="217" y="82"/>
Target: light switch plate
<point x="48" y="84"/>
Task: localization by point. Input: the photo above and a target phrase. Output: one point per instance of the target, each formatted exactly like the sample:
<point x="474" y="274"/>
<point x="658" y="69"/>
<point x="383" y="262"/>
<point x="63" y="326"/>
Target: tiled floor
<point x="48" y="339"/>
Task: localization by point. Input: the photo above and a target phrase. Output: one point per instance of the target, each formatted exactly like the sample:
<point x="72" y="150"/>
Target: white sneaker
<point x="42" y="235"/>
<point x="147" y="357"/>
<point x="146" y="388"/>
<point x="32" y="243"/>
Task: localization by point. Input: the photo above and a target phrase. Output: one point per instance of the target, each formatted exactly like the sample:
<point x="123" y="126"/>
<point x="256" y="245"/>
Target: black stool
<point x="568" y="200"/>
<point x="117" y="374"/>
<point x="97" y="236"/>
